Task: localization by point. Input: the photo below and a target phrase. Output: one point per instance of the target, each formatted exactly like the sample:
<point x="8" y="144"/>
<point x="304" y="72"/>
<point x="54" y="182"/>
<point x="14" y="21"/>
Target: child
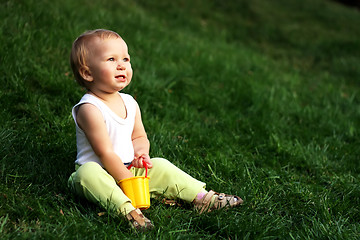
<point x="110" y="135"/>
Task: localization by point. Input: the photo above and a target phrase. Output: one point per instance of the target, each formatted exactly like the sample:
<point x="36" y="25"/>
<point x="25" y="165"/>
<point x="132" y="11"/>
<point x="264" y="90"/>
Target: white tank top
<point x="119" y="129"/>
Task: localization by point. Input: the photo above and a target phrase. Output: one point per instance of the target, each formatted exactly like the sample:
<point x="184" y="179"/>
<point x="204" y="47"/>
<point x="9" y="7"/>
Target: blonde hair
<point x="80" y="51"/>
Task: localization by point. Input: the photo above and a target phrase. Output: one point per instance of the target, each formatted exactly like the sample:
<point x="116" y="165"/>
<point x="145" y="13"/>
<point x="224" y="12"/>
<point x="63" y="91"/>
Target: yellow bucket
<point x="137" y="189"/>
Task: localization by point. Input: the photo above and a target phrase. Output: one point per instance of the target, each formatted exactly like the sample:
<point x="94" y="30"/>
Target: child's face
<point x="109" y="65"/>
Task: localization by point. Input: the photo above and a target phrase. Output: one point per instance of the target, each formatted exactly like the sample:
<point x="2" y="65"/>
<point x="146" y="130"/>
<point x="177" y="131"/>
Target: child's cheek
<point x="104" y="72"/>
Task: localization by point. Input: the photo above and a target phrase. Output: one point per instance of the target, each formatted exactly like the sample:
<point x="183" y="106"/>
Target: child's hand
<point x="146" y="159"/>
<point x="138" y="161"/>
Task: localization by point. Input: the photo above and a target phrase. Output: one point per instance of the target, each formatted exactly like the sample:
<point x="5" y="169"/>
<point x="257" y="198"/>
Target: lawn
<point x="255" y="98"/>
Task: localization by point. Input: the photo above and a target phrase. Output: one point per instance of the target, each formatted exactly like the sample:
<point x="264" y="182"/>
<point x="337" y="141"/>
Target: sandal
<point x="221" y="201"/>
<point x="138" y="221"/>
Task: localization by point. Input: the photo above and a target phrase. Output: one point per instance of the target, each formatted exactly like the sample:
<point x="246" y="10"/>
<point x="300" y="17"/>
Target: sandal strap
<point x="221" y="200"/>
<point x="225" y="200"/>
<point x="139" y="221"/>
<point x="204" y="204"/>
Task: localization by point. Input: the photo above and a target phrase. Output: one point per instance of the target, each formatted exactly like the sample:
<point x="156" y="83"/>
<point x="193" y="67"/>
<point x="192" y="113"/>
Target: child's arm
<point x="140" y="142"/>
<point x="91" y="121"/>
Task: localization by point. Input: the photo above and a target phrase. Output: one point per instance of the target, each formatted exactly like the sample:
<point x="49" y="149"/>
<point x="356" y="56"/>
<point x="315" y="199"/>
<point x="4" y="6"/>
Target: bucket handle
<point x="144" y="164"/>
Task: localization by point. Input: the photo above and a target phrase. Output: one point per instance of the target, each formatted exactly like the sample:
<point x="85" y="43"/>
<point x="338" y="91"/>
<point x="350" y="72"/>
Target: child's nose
<point x="121" y="66"/>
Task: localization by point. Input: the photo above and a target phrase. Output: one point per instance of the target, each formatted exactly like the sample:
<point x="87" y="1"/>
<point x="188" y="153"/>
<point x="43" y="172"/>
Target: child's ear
<point x="86" y="74"/>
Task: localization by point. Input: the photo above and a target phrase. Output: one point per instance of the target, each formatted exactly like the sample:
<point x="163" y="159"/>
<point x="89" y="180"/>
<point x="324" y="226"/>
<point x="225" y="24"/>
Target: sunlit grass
<point x="259" y="99"/>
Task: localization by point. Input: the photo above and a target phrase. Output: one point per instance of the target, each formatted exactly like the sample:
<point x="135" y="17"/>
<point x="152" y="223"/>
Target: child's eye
<point x="111" y="59"/>
<point x="126" y="59"/>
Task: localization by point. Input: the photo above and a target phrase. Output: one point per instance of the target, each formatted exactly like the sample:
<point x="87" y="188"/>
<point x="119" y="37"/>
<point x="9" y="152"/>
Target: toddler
<point x="110" y="136"/>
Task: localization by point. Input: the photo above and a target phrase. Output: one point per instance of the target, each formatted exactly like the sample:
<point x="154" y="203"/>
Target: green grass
<point x="256" y="98"/>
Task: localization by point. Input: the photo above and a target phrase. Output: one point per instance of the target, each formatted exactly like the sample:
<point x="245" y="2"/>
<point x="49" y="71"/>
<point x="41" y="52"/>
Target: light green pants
<point x="95" y="184"/>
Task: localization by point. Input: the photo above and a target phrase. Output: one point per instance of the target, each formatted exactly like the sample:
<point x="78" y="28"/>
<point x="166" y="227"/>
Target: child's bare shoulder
<point x="87" y="113"/>
<point x="86" y="109"/>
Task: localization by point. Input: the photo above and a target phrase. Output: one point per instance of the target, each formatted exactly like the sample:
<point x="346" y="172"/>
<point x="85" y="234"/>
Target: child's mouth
<point x="120" y="78"/>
